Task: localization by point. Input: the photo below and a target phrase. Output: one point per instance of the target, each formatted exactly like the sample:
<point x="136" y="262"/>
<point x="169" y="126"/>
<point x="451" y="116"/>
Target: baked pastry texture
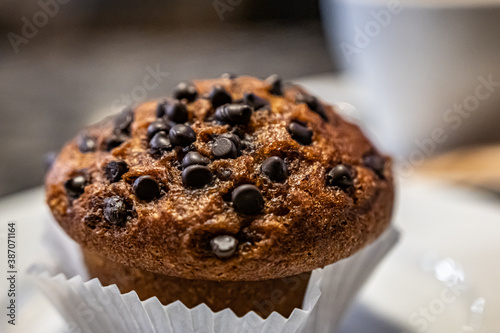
<point x="229" y="179"/>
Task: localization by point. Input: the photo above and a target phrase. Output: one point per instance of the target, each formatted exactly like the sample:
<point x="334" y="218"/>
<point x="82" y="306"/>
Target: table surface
<point x="450" y="237"/>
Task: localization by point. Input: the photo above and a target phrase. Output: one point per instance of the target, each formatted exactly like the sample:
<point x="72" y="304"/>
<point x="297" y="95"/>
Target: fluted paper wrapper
<point x="90" y="307"/>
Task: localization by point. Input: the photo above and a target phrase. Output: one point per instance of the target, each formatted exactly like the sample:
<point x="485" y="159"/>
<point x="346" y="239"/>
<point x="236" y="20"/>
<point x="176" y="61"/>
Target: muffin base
<point x="263" y="297"/>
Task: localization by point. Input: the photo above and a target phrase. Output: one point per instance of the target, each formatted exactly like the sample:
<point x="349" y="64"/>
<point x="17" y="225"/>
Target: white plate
<point x="450" y="236"/>
<point x="438" y="222"/>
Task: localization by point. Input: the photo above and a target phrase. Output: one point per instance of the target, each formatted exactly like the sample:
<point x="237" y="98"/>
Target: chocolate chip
<point x="160" y="143"/>
<point x="224" y="148"/>
<point x="146" y="188"/>
<point x="187" y="149"/>
<point x="246" y="247"/>
<point x="196" y="176"/>
<point x="159" y="125"/>
<point x="194" y="158"/>
<point x="254" y="101"/>
<point x="219" y="96"/>
<point x="233" y="137"/>
<point x="275" y="168"/>
<point x="229" y="76"/>
<point x="300" y="133"/>
<point x="160" y="109"/>
<point x="115" y="140"/>
<point x="123" y="121"/>
<point x="234" y="114"/>
<point x="177" y="112"/>
<point x="185" y="90"/>
<point x="376" y="163"/>
<point x="247" y="199"/>
<point x="87" y="143"/>
<point x="115" y="210"/>
<point x="275" y="85"/>
<point x="182" y="135"/>
<point x="313" y="104"/>
<point x="224" y="246"/>
<point x="115" y="170"/>
<point x="75" y="186"/>
<point x="340" y="176"/>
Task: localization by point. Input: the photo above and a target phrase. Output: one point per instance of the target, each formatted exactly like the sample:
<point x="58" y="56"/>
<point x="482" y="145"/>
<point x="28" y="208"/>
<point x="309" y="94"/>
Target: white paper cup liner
<point x="87" y="306"/>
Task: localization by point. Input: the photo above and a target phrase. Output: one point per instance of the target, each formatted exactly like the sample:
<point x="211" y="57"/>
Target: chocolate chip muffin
<point x="221" y="194"/>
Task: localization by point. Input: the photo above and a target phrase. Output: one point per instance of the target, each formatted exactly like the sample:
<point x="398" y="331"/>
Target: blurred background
<point x="88" y="58"/>
<point x="424" y="75"/>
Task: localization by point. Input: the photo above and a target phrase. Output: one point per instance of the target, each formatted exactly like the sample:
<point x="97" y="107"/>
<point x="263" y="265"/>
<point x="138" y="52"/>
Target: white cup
<point x="429" y="70"/>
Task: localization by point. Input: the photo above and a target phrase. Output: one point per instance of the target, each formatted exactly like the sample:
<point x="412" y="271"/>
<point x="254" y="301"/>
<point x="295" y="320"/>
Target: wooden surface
<point x="476" y="166"/>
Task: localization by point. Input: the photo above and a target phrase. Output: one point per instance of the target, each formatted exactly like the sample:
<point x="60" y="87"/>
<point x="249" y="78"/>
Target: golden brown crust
<point x="305" y="223"/>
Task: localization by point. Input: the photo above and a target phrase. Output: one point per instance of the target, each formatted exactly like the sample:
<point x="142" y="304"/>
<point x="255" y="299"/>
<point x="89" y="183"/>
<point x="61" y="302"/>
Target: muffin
<point x="229" y="193"/>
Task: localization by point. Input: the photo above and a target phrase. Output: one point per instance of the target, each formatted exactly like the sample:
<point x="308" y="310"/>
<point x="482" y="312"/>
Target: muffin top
<point x="229" y="179"/>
